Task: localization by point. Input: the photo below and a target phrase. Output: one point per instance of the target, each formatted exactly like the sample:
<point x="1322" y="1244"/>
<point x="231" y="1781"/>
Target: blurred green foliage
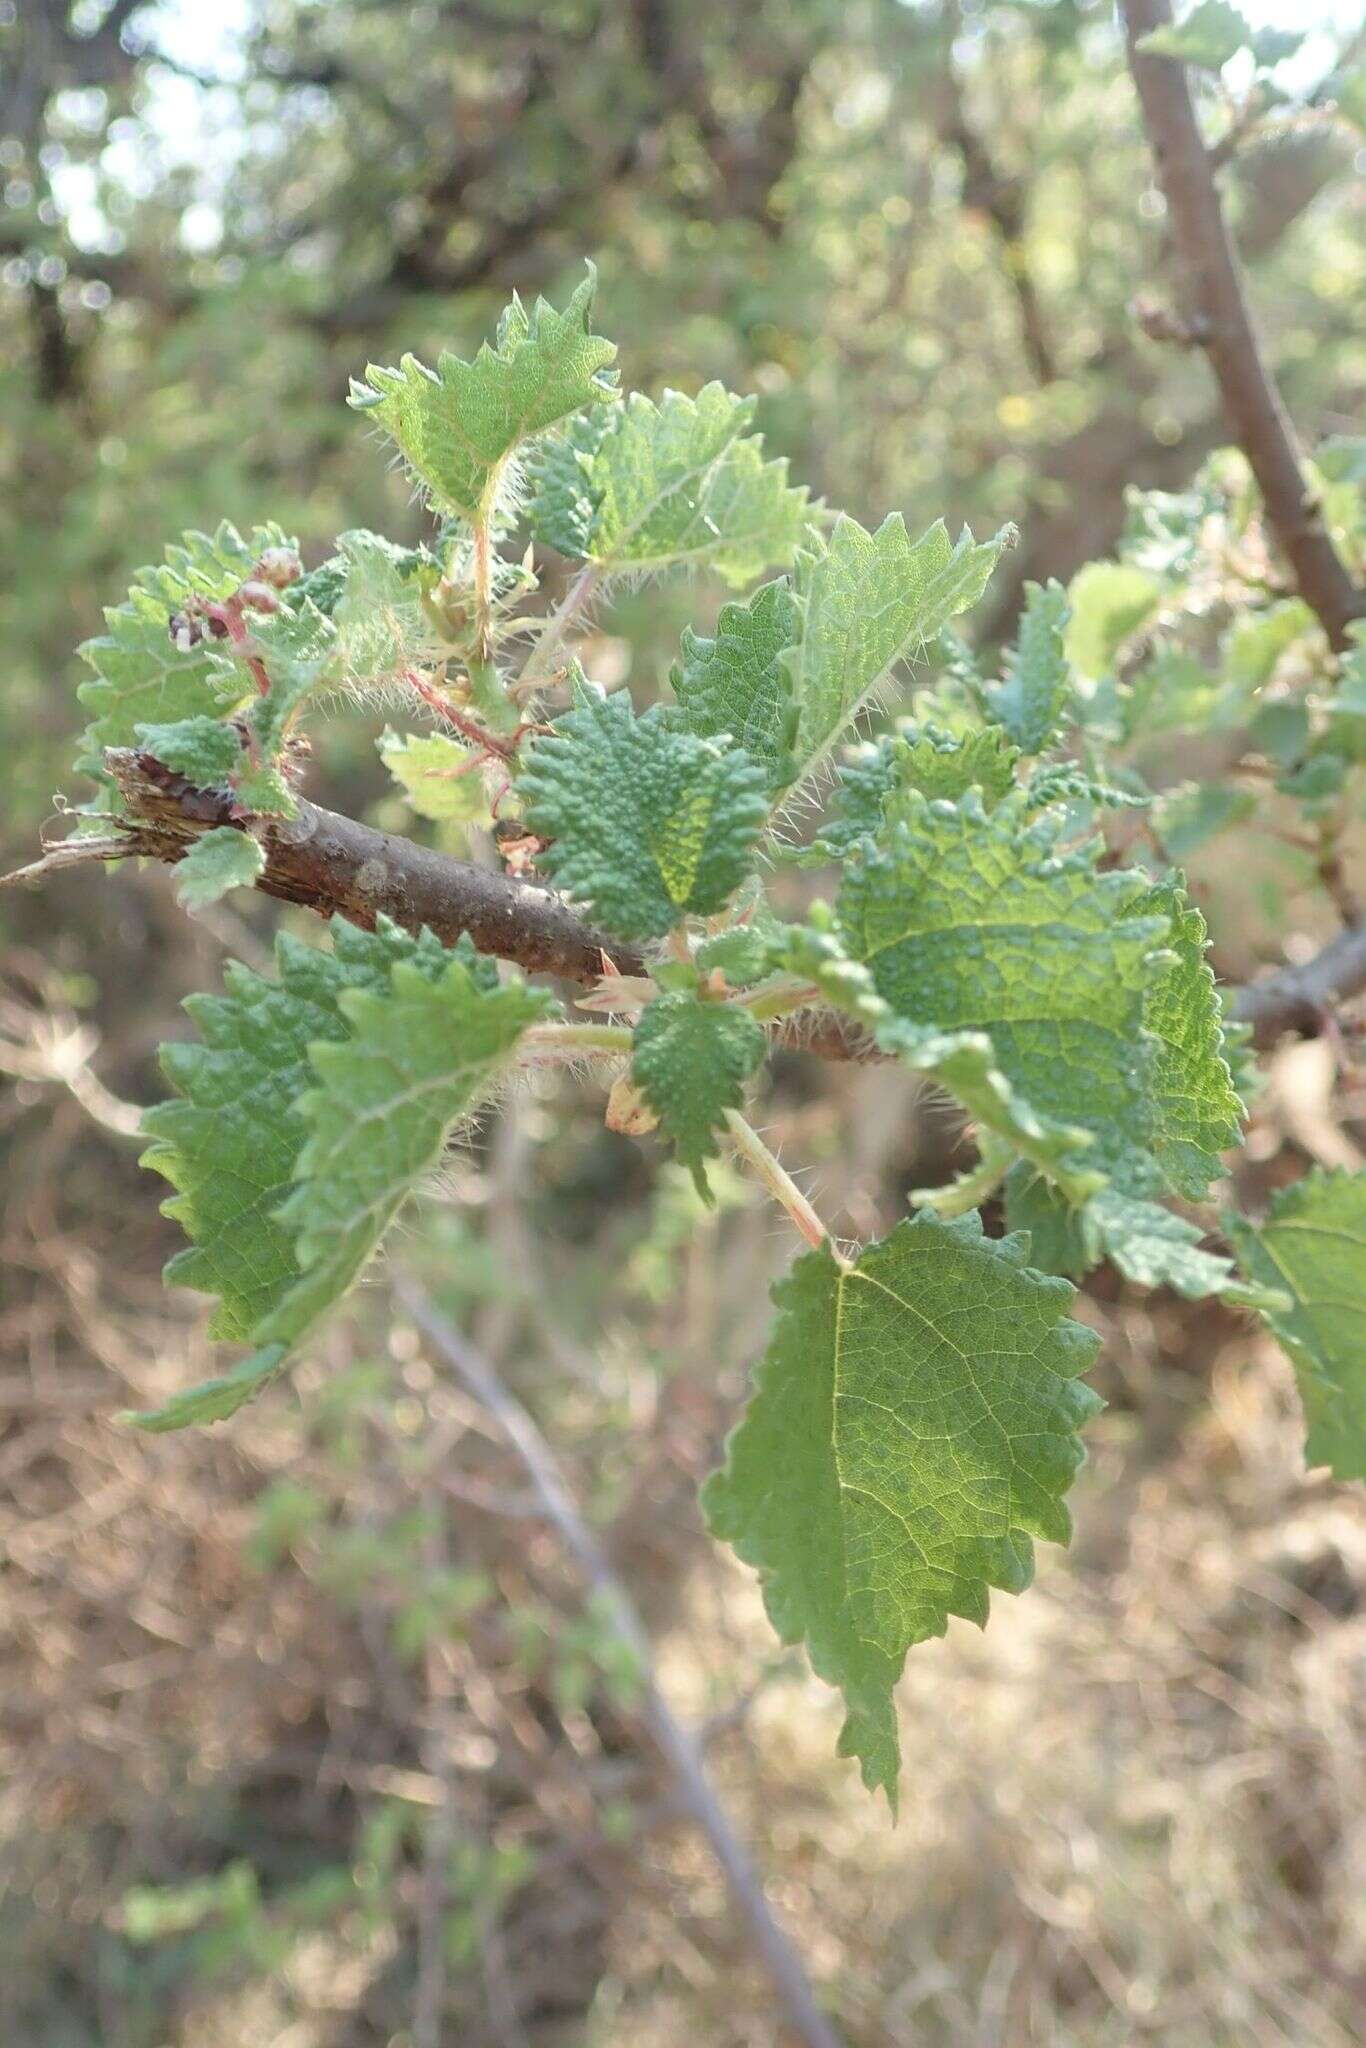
<point x="915" y="231"/>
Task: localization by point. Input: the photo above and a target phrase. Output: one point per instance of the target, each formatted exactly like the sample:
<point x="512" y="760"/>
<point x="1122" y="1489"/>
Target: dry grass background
<point x="1132" y="1808"/>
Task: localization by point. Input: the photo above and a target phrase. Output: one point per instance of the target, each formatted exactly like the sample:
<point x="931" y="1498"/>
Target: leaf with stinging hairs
<point x="460" y="425"/>
<point x="1032" y="701"/>
<point x="286" y="1187"/>
<point x="229" y="1141"/>
<point x="419" y="1055"/>
<point x="868" y="602"/>
<point x="691" y="1060"/>
<point x="737" y="684"/>
<point x="148" y="674"/>
<point x="936" y="763"/>
<point x="680" y="484"/>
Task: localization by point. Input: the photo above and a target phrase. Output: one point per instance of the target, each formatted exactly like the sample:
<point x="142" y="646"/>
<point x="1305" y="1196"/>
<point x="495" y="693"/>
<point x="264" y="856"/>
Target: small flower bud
<point x="186" y="632"/>
<point x="279" y="567"/>
<point x="258" y="597"/>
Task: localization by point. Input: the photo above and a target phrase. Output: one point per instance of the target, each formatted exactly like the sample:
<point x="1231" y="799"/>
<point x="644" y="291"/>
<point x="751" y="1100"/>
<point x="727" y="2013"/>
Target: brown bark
<point x="1218" y="315"/>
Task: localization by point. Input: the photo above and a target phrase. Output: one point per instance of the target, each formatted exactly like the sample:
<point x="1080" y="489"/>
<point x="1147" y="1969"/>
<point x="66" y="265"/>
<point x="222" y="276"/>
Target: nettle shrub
<point x="915" y="1424"/>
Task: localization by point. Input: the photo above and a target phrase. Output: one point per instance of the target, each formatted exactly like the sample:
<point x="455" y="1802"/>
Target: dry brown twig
<point x="677" y="1747"/>
<point x="329" y="863"/>
<point x="1218" y="317"/>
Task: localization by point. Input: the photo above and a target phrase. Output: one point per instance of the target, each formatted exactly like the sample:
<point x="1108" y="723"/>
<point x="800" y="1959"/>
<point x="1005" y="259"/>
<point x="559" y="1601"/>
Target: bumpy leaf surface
<point x="680" y="484"/>
<point x="646" y="822"/>
<point x="936" y="763"/>
<point x="963" y="1062"/>
<point x="223" y="859"/>
<point x="206" y="751"/>
<point x="457" y="426"/>
<point x="971" y="922"/>
<point x="143" y="676"/>
<point x="912" y="1427"/>
<point x="690" y="1061"/>
<point x="1032" y="700"/>
<point x="229" y="1144"/>
<point x="420" y="1055"/>
<point x="867" y="602"/>
<point x="1313" y="1245"/>
<point x="737" y="682"/>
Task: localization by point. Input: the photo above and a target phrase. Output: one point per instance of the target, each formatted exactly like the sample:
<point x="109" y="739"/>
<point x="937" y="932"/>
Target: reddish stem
<point x="229" y="616"/>
<point x="468" y="728"/>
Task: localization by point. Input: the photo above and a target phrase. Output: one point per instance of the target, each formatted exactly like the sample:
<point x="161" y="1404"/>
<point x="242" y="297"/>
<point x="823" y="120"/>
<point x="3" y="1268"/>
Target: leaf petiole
<point x="780" y="1184"/>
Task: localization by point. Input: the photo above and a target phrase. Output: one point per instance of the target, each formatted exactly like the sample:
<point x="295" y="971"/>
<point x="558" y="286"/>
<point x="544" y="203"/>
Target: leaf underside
<point x="1313" y="1245"/>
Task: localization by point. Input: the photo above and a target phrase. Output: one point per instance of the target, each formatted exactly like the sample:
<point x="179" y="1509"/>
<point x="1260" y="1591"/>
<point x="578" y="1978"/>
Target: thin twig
<point x="329" y="863"/>
<point x="1302" y="997"/>
<point x="673" y="1741"/>
<point x="1218" y="314"/>
<point x="71" y="853"/>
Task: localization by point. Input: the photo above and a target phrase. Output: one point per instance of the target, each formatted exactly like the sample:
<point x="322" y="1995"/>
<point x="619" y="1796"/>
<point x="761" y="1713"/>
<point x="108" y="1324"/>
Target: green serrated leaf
<point x="1196" y="1113"/>
<point x="647" y="823"/>
<point x="560" y="504"/>
<point x="938" y="764"/>
<point x="212" y="1400"/>
<point x="1146" y="1242"/>
<point x="229" y="1144"/>
<point x="913" y="1426"/>
<point x="743" y="955"/>
<point x="690" y="1061"/>
<point x="459" y="425"/>
<point x="867" y="602"/>
<point x="204" y="750"/>
<point x="963" y="1062"/>
<point x="1064" y="782"/>
<point x="1211" y="33"/>
<point x="223" y="859"/>
<point x="737" y="683"/>
<point x="420" y="1055"/>
<point x="1032" y="701"/>
<point x="143" y="674"/>
<point x="300" y="650"/>
<point x="971" y="922"/>
<point x="1313" y="1246"/>
<point x="681" y="484"/>
<point x="1154" y="1247"/>
<point x="437" y="774"/>
<point x="1108" y="601"/>
<point x="322" y="586"/>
